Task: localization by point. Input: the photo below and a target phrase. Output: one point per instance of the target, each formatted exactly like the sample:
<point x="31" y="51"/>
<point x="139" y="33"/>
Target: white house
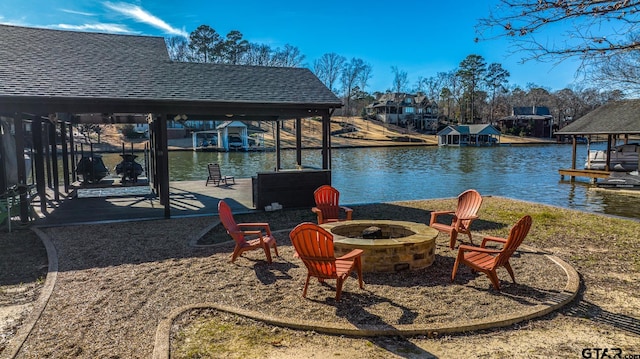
<point x="233" y="135"/>
<point x="468" y="135"/>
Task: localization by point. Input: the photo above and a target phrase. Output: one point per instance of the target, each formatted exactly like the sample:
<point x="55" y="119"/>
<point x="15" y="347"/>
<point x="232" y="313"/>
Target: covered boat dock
<point x="616" y="120"/>
<point x="52" y="77"/>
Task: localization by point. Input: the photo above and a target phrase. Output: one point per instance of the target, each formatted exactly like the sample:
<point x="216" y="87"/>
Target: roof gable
<point x="485" y="129"/>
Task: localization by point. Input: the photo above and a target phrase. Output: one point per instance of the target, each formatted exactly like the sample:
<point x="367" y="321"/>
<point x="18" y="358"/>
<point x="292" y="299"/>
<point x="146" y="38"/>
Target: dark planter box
<point x="290" y="188"/>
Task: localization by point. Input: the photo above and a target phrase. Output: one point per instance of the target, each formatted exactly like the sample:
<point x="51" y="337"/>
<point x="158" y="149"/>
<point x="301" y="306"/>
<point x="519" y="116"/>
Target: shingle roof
<point x="481" y="129"/>
<point x="52" y="64"/>
<point x="619" y="117"/>
<point x="41" y="62"/>
<point x="531" y="110"/>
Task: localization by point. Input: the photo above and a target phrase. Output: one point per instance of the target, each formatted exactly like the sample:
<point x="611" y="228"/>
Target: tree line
<point x="474" y="91"/>
<point x="206" y="45"/>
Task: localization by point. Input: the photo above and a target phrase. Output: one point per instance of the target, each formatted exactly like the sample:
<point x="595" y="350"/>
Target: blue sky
<point x="420" y="37"/>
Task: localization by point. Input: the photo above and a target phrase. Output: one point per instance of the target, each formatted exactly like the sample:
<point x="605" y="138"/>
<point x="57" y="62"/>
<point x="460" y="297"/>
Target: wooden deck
<point x="105" y="204"/>
<point x="592" y="174"/>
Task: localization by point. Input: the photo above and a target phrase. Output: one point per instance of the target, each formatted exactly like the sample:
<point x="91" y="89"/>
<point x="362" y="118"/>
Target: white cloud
<point x="109" y="28"/>
<point x="139" y="14"/>
<point x="77" y="12"/>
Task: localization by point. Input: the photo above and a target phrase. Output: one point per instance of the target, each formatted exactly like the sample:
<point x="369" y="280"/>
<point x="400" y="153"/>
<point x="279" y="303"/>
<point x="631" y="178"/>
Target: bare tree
<point x="178" y="48"/>
<point x="289" y="56"/>
<point x="328" y="68"/>
<point x="537" y="96"/>
<point x="365" y="76"/>
<point x="598" y="27"/>
<point x="433" y="85"/>
<point x="400" y="84"/>
<point x="621" y="71"/>
<point x="351" y="76"/>
<point x="258" y="55"/>
<point x="603" y="34"/>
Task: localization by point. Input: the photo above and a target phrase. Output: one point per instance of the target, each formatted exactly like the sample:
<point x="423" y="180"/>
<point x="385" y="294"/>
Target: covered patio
<point x="51" y="77"/>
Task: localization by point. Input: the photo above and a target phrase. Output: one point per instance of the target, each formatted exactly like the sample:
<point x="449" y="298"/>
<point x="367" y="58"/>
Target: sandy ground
<point x="116" y="282"/>
<point x="367" y="134"/>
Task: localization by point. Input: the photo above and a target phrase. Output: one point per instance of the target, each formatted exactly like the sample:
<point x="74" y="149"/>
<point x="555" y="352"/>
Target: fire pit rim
<point x="422" y="233"/>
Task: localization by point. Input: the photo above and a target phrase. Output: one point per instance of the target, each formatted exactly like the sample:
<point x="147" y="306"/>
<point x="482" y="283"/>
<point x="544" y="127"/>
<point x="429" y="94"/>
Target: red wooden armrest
<point x="265" y="226"/>
<point x="351" y="255"/>
<point x="492" y="239"/>
<point x="467" y="248"/>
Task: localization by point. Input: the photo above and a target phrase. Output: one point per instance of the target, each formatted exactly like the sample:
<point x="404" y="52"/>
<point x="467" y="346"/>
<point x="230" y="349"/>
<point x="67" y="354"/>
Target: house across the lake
<point x="405" y="110"/>
<point x="535" y="121"/>
<point x="469" y="135"/>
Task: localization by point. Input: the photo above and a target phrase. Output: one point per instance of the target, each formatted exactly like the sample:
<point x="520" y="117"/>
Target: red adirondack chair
<point x="469" y="203"/>
<point x="328" y="207"/>
<point x="248" y="236"/>
<point x="487" y="260"/>
<point x="314" y="246"/>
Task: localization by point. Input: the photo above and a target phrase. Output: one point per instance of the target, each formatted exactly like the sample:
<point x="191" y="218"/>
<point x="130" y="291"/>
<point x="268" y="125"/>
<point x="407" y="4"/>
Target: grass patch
<point x="225" y="336"/>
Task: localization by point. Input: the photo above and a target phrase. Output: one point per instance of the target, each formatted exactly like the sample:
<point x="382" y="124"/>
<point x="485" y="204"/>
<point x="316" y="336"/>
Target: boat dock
<point x="592" y="174"/>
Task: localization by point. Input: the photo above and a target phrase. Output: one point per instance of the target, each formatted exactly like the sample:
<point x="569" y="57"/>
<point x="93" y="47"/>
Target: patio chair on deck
<point x="314" y="246"/>
<point x="327" y="206"/>
<point x="216" y="177"/>
<point x="469" y="203"/>
<point x="243" y="232"/>
<point x="487" y="260"/>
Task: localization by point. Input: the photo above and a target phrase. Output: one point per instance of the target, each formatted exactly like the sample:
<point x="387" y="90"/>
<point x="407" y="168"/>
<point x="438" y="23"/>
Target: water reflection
<point x="367" y="175"/>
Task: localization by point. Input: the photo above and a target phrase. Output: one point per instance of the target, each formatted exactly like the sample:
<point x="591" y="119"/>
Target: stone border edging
<point x="161" y="349"/>
<point x="15" y="344"/>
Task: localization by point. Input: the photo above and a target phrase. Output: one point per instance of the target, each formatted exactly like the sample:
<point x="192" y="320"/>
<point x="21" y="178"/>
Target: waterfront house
<point x="468" y="135"/>
<point x="535" y="121"/>
<point x="402" y="109"/>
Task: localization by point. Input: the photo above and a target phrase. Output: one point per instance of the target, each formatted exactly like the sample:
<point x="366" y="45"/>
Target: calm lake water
<point x="368" y="175"/>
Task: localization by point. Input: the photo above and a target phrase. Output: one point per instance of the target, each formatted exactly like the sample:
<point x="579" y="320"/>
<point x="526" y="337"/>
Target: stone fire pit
<point x="390" y="246"/>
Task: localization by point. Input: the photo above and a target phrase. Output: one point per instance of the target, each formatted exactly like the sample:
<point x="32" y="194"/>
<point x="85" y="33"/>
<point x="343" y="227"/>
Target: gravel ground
<point x="117" y="281"/>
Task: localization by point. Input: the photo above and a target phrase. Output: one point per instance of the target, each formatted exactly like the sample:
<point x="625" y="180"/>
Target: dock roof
<point x="47" y="71"/>
<point x="619" y="117"/>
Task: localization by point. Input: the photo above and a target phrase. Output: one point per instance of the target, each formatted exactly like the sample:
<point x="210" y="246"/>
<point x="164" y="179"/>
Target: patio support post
<point x="21" y="166"/>
<point x="163" y="164"/>
<point x="54" y="156"/>
<point x="46" y="146"/>
<point x="72" y="155"/>
<point x="65" y="153"/>
<point x="278" y="159"/>
<point x="607" y="166"/>
<point x="38" y="157"/>
<point x="19" y="138"/>
<point x="299" y="142"/>
<point x="326" y="141"/>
